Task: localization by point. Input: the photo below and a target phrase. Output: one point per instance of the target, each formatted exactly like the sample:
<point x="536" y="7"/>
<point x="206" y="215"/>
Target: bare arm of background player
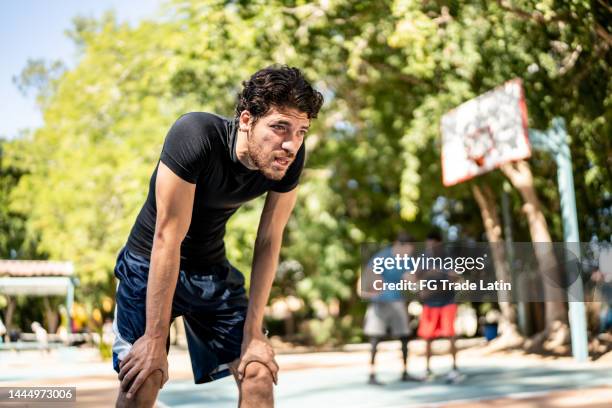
<point x="174" y="200"/>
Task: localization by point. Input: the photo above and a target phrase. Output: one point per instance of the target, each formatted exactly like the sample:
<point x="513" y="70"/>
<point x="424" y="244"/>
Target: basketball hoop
<point x="479" y="144"/>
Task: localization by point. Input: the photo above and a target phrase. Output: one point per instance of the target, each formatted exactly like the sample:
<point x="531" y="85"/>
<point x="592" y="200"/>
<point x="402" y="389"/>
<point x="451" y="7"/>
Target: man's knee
<point x="146" y="394"/>
<point x="257" y="380"/>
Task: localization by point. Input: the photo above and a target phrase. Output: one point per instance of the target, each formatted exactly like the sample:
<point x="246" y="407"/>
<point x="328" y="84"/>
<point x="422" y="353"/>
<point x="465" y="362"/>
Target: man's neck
<point x="242" y="150"/>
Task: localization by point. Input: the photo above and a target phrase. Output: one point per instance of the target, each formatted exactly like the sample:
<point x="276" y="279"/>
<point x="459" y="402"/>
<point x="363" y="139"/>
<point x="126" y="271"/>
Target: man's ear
<point x="245" y="120"/>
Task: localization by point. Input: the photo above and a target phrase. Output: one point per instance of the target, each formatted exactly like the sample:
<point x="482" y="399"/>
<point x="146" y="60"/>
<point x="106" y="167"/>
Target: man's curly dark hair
<point x="278" y="86"/>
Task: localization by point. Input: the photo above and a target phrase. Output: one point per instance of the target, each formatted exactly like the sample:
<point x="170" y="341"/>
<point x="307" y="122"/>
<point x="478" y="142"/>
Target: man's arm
<point x="174" y="201"/>
<point x="274" y="217"/>
<point x="365" y="284"/>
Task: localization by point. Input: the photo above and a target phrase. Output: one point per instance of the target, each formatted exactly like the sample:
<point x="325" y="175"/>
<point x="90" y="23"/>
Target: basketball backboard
<point x="483" y="133"/>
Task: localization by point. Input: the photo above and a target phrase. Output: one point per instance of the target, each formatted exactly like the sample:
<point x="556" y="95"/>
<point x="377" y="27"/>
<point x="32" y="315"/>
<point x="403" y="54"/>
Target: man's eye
<point x="279" y="127"/>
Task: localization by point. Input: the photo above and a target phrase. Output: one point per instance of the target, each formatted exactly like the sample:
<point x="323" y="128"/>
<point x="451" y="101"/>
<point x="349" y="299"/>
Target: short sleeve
<point x="186" y="147"/>
<point x="292" y="177"/>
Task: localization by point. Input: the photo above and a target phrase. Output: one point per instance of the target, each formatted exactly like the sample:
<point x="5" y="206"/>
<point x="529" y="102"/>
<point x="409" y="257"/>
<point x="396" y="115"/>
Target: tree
<point x="389" y="71"/>
<point x="485" y="197"/>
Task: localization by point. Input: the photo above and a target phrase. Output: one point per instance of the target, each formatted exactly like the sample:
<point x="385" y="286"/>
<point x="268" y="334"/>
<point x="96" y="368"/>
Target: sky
<point x="35" y="29"/>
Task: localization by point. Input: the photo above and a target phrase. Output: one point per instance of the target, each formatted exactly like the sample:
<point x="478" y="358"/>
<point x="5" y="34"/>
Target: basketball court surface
<point x="337" y="380"/>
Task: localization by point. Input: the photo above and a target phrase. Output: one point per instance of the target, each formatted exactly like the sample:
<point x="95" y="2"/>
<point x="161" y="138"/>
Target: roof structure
<point x="23" y="269"/>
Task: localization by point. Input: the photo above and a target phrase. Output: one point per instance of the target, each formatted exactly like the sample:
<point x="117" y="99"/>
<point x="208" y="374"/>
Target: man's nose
<point x="291" y="145"/>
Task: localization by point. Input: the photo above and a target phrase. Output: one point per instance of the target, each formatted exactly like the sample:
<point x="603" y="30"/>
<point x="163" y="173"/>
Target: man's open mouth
<point x="282" y="161"/>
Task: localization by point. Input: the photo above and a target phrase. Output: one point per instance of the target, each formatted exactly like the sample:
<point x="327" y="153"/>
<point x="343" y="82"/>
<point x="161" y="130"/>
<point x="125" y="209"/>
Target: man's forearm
<point x="161" y="284"/>
<point x="265" y="262"/>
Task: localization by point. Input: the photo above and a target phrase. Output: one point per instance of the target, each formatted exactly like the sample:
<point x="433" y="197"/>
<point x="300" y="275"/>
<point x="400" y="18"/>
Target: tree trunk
<point x="519" y="174"/>
<point x="51" y="316"/>
<point x="493" y="227"/>
<point x="8" y="316"/>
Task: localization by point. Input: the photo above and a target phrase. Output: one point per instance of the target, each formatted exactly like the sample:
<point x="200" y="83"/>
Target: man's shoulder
<point x="201" y="130"/>
<point x="385" y="252"/>
<point x="205" y="121"/>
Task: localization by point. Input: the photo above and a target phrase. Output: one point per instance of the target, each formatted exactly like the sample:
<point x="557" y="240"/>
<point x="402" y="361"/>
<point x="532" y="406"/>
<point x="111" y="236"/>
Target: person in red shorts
<point x="439" y="310"/>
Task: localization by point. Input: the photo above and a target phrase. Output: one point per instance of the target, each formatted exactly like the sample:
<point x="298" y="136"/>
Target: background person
<point x="2" y="331"/>
<point x="387" y="312"/>
<point x="439" y="309"/>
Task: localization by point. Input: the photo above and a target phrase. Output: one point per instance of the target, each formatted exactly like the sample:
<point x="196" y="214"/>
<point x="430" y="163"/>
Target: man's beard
<point x="265" y="162"/>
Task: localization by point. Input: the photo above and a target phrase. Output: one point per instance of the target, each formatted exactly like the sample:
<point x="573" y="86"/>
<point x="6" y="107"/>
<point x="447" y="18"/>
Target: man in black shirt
<point x="174" y="263"/>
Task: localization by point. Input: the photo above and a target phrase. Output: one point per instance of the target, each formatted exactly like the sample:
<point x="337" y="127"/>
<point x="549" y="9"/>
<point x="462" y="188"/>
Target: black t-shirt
<point x="200" y="148"/>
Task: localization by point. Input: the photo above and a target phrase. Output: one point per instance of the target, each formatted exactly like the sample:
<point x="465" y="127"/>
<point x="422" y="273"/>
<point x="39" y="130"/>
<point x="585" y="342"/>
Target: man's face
<point x="274" y="140"/>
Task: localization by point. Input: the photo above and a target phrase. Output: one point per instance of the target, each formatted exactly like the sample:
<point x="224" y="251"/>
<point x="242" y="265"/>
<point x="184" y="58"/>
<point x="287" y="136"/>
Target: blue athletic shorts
<point x="212" y="302"/>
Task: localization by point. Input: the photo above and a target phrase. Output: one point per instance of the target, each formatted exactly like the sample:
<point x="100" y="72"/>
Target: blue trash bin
<point x="490" y="331"/>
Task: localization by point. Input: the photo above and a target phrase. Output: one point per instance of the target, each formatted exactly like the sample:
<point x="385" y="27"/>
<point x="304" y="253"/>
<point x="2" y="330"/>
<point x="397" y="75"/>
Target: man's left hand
<point x="147" y="355"/>
<point x="257" y="348"/>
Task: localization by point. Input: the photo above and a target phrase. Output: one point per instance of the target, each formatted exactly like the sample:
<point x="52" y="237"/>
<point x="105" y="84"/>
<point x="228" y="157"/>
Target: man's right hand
<point x="147" y="355"/>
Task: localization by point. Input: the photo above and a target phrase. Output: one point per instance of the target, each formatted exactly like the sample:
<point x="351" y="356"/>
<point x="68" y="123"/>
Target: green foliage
<point x="14" y="243"/>
<point x="389" y="71"/>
